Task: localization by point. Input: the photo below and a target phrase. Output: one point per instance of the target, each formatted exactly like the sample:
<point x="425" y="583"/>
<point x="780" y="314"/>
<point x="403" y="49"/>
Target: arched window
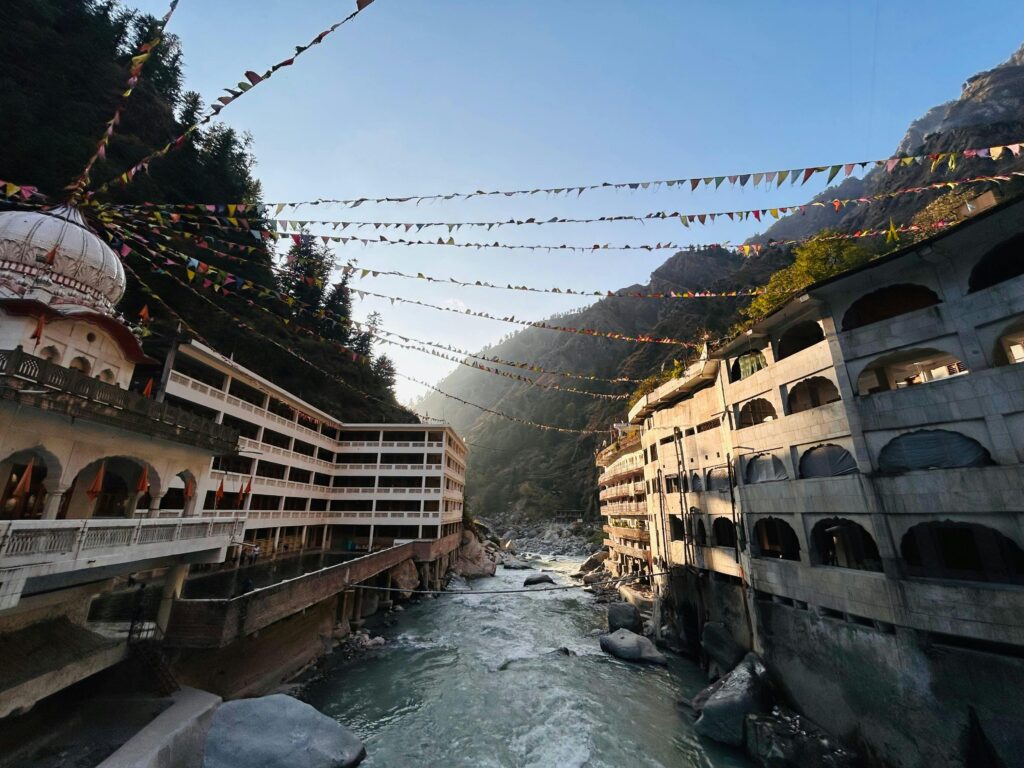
<point x="756" y="411"/>
<point x="764" y="468"/>
<point x="812" y="393"/>
<point x="718" y="479"/>
<point x="80" y="364"/>
<point x="908" y="368"/>
<point x="696" y="484"/>
<point x="844" y="544"/>
<point x="22" y="493"/>
<point x="799" y="337"/>
<point x="1002" y="263"/>
<point x="775" y="538"/>
<point x="107" y="376"/>
<point x="932" y="449"/>
<point x="746" y="365"/>
<point x="723" y="532"/>
<point x="827" y="461"/>
<point x="50" y="354"/>
<point x="1010" y="346"/>
<point x="887" y="302"/>
<point x="954" y="550"/>
<point x="702" y="534"/>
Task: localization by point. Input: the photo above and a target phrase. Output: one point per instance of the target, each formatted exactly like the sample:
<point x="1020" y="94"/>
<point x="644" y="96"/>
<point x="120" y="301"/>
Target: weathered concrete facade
<point x="849" y="473"/>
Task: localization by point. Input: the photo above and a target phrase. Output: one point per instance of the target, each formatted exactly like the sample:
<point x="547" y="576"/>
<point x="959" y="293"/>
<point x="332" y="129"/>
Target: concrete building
<point x="623" y="504"/>
<point x="841" y="487"/>
<point x="99" y="482"/>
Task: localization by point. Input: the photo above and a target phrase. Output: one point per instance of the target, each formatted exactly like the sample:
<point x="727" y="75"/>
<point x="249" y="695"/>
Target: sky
<point x="437" y="96"/>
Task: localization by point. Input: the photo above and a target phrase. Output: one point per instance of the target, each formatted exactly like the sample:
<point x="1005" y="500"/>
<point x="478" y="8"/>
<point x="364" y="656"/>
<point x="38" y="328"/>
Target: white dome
<point x="85" y="274"/>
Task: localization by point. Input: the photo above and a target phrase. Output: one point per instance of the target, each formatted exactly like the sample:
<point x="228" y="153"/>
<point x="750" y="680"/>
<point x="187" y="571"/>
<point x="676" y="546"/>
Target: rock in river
<point x="595" y="560"/>
<point x="630" y="646"/>
<point x="278" y="732"/>
<point x="744" y="691"/>
<point x="538" y="578"/>
<point x="624" y="616"/>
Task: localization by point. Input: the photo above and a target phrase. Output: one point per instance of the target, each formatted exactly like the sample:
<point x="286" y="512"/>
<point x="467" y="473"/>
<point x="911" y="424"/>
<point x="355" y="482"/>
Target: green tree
<point x="305" y="275"/>
<point x="814" y="260"/>
<point x="337" y="309"/>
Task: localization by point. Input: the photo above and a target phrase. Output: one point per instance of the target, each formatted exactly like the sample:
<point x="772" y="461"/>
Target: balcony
<point x="632" y="534"/>
<point x="79" y="396"/>
<point x="625" y="509"/>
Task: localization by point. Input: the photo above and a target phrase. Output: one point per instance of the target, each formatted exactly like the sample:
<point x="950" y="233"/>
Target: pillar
<point x="277" y="538"/>
<point x="302" y="540"/>
<point x="51" y="506"/>
<point x="154" y="505"/>
<point x="369" y="543"/>
<point x="173" y="582"/>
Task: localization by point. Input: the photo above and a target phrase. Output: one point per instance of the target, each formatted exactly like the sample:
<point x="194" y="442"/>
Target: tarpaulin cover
<point x="932" y="449"/>
<point x="827" y="461"/>
<point x="764" y="468"/>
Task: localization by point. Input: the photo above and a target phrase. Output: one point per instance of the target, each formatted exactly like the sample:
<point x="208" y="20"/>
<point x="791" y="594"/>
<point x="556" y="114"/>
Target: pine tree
<point x="337" y="306"/>
<point x="306" y="271"/>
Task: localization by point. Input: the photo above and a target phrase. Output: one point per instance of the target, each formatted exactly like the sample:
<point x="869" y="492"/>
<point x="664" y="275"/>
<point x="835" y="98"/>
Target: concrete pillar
<point x="277" y="538"/>
<point x="154" y="506"/>
<point x="369" y="544"/>
<point x="302" y="541"/>
<point x="51" y="506"/>
<point x="173" y="582"/>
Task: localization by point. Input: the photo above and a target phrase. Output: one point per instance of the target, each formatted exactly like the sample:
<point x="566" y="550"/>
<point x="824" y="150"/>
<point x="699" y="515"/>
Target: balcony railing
<point x="78" y="538"/>
<point x="96" y="400"/>
<point x="625" y="509"/>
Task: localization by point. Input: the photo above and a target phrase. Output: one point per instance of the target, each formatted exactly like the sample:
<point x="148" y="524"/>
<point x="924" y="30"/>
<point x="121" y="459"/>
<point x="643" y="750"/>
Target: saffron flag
<point x="25" y="482"/>
<point x="143" y="485"/>
<point x="219" y="495"/>
<point x="96" y="488"/>
<point x="190" y="488"/>
<point x="148" y="391"/>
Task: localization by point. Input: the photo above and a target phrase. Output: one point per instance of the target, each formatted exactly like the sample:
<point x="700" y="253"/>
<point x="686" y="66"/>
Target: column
<point x="154" y="505"/>
<point x="173" y="582"/>
<point x="277" y="538"/>
<point x="369" y="544"/>
<point x="51" y="506"/>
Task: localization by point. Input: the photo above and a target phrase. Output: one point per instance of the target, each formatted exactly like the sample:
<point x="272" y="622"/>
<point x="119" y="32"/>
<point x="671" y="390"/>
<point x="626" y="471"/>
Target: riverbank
<point x="511" y="680"/>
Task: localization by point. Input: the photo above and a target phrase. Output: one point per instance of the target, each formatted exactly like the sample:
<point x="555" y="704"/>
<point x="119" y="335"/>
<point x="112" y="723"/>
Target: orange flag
<point x="219" y="495"/>
<point x="143" y="485"/>
<point x="96" y="488"/>
<point x="148" y="391"/>
<point x="37" y="334"/>
<point x="51" y="256"/>
<point x="144" y="314"/>
<point x="25" y="482"/>
<point x="243" y="492"/>
<point x="190" y="488"/>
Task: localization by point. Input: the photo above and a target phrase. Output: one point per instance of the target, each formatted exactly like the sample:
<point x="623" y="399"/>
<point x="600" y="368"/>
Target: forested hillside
<point x="65" y="65"/>
<point x="520" y="472"/>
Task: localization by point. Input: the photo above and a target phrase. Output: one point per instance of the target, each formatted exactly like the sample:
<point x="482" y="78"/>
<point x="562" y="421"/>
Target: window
<point x="746" y="365"/>
<point x="799" y="337"/>
<point x="754" y="412"/>
<point x="723" y="533"/>
<point x="261" y="501"/>
<point x="844" y="544"/>
<point x="677" y="530"/>
<point x="360" y="436"/>
<point x="654" y="452"/>
<point x="775" y="538"/>
<point x="765" y="468"/>
<point x="932" y="449"/>
<point x="319" y="478"/>
<point x="281" y="409"/>
<point x="718" y="479"/>
<point x="306" y="449"/>
<point x="245" y="392"/>
<point x="908" y="368"/>
<point x="276" y="438"/>
<point x="696" y="484"/>
<point x="812" y="393"/>
<point x="295" y="503"/>
<point x="324" y="455"/>
<point x="1002" y="263"/>
<point x="885" y="303"/>
<point x="707" y="426"/>
<point x="271" y="469"/>
<point x="240" y="465"/>
<point x="431" y="506"/>
<point x="297" y="475"/>
<point x="353" y="481"/>
<point x="245" y="428"/>
<point x="188" y="405"/>
<point x="957" y="550"/>
<point x="189" y="366"/>
<point x="352" y="505"/>
<point x="394" y="505"/>
<point x="318" y="505"/>
<point x="827" y="461"/>
<point x="329" y="432"/>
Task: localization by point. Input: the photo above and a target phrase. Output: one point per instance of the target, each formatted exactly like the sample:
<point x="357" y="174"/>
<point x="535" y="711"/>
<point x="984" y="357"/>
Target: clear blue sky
<point x="422" y="96"/>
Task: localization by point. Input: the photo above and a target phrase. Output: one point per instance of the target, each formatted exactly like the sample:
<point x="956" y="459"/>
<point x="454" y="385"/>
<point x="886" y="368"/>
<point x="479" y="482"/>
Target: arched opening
<point x="746" y="365"/>
<point x="844" y="544"/>
<point x="22" y="494"/>
<point x="696" y="484"/>
<point x="50" y="354"/>
<point x="718" y="479"/>
<point x="955" y="550"/>
<point x="80" y="364"/>
<point x="702" y="534"/>
<point x="765" y="468"/>
<point x="1002" y="263"/>
<point x="723" y="533"/>
<point x="756" y="411"/>
<point x="107" y="376"/>
<point x="908" y="368"/>
<point x="180" y="491"/>
<point x="932" y="449"/>
<point x="1010" y="346"/>
<point x="775" y="538"/>
<point x="827" y="461"/>
<point x="799" y="337"/>
<point x="108" y="488"/>
<point x="890" y="301"/>
<point x="812" y="393"/>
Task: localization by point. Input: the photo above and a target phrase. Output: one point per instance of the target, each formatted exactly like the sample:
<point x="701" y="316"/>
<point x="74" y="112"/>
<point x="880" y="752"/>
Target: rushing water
<point x="477" y="680"/>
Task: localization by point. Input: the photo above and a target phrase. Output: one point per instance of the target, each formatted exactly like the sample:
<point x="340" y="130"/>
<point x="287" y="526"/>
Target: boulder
<point x="630" y="646"/>
<point x="784" y="739"/>
<point x="719" y="645"/>
<point x="538" y="578"/>
<point x="515" y="564"/>
<point x="404" y="576"/>
<point x="594" y="561"/>
<point x="595" y="576"/>
<point x="474" y="560"/>
<point x="744" y="691"/>
<point x="624" y="616"/>
<point x="278" y="732"/>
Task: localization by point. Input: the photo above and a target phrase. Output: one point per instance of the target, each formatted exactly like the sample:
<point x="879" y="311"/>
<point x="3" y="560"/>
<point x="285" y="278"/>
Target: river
<point x="476" y="680"/>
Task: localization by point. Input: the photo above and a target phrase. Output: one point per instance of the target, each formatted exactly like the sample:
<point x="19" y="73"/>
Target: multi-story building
<point x="99" y="482"/>
<point x="302" y="478"/>
<point x="842" y="487"/>
<point x="623" y="504"/>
